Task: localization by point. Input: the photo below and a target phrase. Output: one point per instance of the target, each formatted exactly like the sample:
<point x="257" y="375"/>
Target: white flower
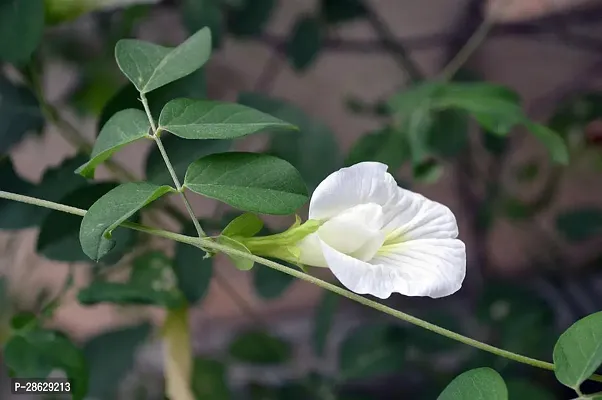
<point x="379" y="239"/>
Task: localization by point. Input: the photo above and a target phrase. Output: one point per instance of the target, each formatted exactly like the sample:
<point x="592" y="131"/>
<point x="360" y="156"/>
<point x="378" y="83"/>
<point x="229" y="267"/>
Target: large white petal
<point x="413" y="216"/>
<point x="366" y="182"/>
<point x="425" y="267"/>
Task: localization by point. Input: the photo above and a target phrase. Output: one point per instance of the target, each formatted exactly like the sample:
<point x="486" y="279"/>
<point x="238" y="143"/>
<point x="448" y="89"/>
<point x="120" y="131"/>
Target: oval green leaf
<point x="248" y="181"/>
<point x="269" y="283"/>
<point x="111" y="210"/>
<point x="245" y="225"/>
<point x="21" y="29"/>
<point x="305" y="42"/>
<point x="128" y="294"/>
<point x="323" y="318"/>
<point x="204" y="119"/>
<point x="578" y="351"/>
<point x="123" y="128"/>
<point x="149" y="66"/>
<point x="20" y="112"/>
<point x="59" y="234"/>
<point x="476" y="384"/>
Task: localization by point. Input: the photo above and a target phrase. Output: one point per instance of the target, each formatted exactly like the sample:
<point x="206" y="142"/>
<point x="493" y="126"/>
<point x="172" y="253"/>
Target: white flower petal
<point x="362" y="183"/>
<point x="426" y="267"/>
<point x="413" y="216"/>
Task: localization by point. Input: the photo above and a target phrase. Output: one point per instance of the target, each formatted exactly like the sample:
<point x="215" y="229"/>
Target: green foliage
<point x="201" y="119"/>
<point x="372" y="350"/>
<point x="21" y="29"/>
<point x="476" y="384"/>
<point x="325" y="312"/>
<point x="248" y="181"/>
<point x="580" y="224"/>
<point x="305" y="42"/>
<point x="198" y="14"/>
<point x="241" y="263"/>
<point x="336" y="11"/>
<point x="578" y="351"/>
<point x="149" y="66"/>
<point x="386" y="146"/>
<point x="35" y="352"/>
<point x="59" y="234"/>
<point x="110" y="357"/>
<point x="209" y="380"/>
<point x="182" y="153"/>
<point x="251" y="17"/>
<point x="19" y="109"/>
<point x="192" y="270"/>
<point x="261" y="348"/>
<point x="151" y="283"/>
<point x="245" y="225"/>
<point x="523" y="389"/>
<point x="191" y="86"/>
<point x="56" y="183"/>
<point x="314" y="138"/>
<point x="496" y="108"/>
<point x="108" y="212"/>
<point x="123" y="128"/>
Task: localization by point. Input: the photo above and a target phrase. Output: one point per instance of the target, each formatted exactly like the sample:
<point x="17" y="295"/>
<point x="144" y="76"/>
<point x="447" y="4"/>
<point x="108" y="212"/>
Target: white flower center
<point x="356" y="231"/>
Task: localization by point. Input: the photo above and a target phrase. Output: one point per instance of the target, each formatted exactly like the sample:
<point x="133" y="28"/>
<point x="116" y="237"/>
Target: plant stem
<point x="155" y="134"/>
<point x="210" y="244"/>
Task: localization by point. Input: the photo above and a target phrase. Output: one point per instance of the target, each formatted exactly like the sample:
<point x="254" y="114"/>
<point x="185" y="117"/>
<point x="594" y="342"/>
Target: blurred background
<point x="533" y="229"/>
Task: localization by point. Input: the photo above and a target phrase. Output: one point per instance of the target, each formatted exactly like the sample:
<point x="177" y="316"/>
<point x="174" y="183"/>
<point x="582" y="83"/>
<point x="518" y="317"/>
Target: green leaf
<point x="241" y="263"/>
<point x="553" y="142"/>
<point x="578" y="351"/>
<point x="56" y="182"/>
<point x="248" y="181"/>
<point x="448" y="135"/>
<point x="191" y="86"/>
<point x="204" y="119"/>
<point x="193" y="271"/>
<point x="209" y="380"/>
<point x="522" y="321"/>
<point x="257" y="347"/>
<point x="324" y="316"/>
<point x="198" y="14"/>
<point x="372" y="350"/>
<point x="270" y="284"/>
<point x="251" y="17"/>
<point x="111" y="210"/>
<point x="305" y="42"/>
<point x="23" y="320"/>
<point x="245" y="225"/>
<point x="21" y="29"/>
<point x="182" y="153"/>
<point x="524" y="389"/>
<point x="314" y="138"/>
<point x="128" y="294"/>
<point x="19" y="111"/>
<point x="387" y="146"/>
<point x="123" y="128"/>
<point x="33" y="354"/>
<point x="476" y="384"/>
<point x="59" y="234"/>
<point x="110" y="357"/>
<point x="149" y="66"/>
<point x="336" y="11"/>
<point x="581" y="224"/>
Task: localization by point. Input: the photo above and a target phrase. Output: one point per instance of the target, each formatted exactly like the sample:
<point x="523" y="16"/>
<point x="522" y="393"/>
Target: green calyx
<point x="283" y="245"/>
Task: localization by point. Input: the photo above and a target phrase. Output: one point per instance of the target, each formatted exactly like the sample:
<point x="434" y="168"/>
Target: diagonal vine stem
<point x="212" y="245"/>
